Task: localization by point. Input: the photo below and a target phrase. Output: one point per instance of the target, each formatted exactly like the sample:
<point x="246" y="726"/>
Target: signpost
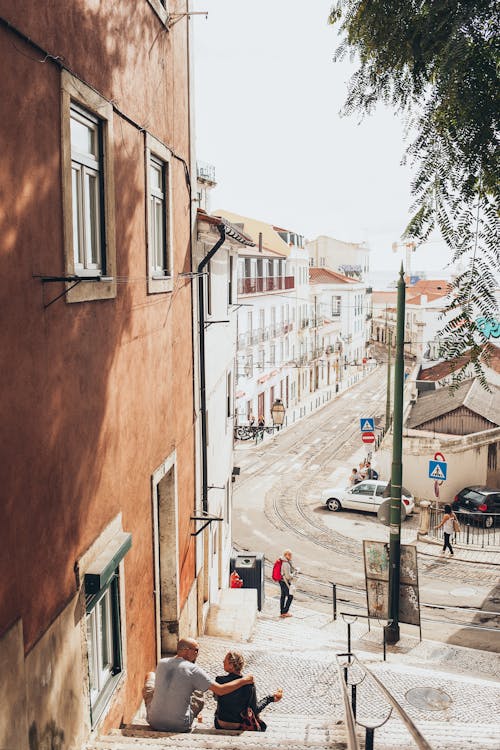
<point x="438" y="470"/>
<point x="367" y="424"/>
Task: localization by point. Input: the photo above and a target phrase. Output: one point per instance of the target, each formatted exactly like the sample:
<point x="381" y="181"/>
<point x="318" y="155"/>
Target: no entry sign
<point x="368" y="437"/>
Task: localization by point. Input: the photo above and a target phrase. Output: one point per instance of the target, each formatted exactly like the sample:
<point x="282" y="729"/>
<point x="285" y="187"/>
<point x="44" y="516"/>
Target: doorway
<point x="165" y="535"/>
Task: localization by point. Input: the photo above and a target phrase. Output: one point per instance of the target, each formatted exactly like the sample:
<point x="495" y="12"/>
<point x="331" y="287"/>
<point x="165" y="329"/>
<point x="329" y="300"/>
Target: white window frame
<point x="158" y="154"/>
<point x="86" y="167"/>
<point x="89" y="104"/>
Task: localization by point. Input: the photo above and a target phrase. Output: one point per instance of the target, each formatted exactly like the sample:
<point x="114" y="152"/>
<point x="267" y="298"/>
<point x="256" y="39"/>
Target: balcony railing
<point x="261" y="284"/>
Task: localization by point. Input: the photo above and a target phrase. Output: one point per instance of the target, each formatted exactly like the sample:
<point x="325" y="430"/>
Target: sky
<point x="267" y="101"/>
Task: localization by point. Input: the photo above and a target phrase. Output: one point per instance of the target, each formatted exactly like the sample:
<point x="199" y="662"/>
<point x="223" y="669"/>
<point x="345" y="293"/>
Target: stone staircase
<point x="299" y="655"/>
<point x="290" y="733"/>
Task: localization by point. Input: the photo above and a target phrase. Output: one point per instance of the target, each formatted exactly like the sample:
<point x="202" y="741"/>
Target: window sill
<point x="91" y="289"/>
<point x="103" y="701"/>
<point x="160" y="284"/>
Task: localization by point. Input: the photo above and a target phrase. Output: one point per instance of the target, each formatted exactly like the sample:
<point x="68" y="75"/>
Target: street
<point x="277" y="505"/>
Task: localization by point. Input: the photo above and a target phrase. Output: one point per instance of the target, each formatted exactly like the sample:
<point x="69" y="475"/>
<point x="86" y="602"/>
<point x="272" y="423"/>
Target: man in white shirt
<point x="173" y="695"/>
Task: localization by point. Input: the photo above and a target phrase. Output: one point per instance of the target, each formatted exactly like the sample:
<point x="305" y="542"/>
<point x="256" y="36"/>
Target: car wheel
<point x="488" y="522"/>
<point x="333" y="504"/>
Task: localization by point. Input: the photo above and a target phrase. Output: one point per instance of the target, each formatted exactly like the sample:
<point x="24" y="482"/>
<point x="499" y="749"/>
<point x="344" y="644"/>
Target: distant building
<point x="273" y="318"/>
<point x="339" y="325"/>
<point x="348" y="258"/>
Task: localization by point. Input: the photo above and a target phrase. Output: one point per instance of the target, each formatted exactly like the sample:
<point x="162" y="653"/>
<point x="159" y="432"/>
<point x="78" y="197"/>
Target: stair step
<point x="288" y="733"/>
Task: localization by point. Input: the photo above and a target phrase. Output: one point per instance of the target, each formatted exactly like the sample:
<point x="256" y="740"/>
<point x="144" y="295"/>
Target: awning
<point x="100" y="571"/>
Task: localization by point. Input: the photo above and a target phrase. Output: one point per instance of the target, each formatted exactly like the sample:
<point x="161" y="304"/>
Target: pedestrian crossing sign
<point x="438" y="470"/>
<point x="367" y="424"/>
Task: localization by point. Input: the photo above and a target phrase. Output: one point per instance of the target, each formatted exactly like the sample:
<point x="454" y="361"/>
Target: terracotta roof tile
<point x="326" y="276"/>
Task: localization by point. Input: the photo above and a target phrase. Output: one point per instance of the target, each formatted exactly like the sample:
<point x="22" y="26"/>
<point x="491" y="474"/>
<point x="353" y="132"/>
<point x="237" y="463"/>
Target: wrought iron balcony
<point x="260" y="284"/>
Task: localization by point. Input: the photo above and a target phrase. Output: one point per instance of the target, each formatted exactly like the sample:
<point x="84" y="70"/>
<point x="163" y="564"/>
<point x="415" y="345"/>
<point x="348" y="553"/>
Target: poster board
<point x="376" y="557"/>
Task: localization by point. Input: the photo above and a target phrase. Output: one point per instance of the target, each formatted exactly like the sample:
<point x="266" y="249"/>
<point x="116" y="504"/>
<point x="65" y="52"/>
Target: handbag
<point x="456" y="525"/>
<point x="249" y="721"/>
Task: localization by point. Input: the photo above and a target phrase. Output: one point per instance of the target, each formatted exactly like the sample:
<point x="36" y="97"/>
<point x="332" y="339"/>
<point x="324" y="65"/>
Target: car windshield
<point x="476" y="497"/>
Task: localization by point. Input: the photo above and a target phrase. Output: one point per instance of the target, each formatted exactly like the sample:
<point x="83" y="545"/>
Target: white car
<point x="367" y="495"/>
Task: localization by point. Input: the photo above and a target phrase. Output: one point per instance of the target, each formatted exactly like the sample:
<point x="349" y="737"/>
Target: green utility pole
<point x="388" y="396"/>
<point x="392" y="628"/>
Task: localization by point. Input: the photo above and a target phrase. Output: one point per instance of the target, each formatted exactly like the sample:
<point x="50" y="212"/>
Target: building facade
<point x="216" y="259"/>
<point x="97" y="561"/>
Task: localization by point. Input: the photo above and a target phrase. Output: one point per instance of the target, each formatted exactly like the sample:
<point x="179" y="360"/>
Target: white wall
<point x="466" y="458"/>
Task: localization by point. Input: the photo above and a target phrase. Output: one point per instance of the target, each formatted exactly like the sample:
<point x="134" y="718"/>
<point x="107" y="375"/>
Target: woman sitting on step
<point x="240" y="709"/>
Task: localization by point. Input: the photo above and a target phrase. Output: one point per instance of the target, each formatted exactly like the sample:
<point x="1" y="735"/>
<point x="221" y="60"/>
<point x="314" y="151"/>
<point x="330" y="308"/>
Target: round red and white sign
<point x="368" y="437"/>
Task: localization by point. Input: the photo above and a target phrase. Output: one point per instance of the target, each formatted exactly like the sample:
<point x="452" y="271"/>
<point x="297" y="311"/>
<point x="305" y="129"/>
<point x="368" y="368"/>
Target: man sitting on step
<point x="173" y="695"/>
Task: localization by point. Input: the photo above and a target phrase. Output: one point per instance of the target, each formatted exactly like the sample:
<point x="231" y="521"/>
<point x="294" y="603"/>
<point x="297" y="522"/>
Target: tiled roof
<point x="417" y="299"/>
<point x="326" y="276"/>
<point x="442" y="401"/>
<point x="441" y="370"/>
<point x="429" y="286"/>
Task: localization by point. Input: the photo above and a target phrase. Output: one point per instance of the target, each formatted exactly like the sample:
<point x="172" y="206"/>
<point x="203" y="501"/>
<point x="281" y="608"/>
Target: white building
<point x="273" y="320"/>
<point x="339" y="306"/>
<point x="217" y="247"/>
<point x="348" y="258"/>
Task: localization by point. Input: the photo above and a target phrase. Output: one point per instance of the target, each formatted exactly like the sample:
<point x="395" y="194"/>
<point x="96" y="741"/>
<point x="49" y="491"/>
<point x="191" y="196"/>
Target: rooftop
<point x="442" y="401"/>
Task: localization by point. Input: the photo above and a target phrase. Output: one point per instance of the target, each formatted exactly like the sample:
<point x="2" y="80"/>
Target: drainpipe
<point x="203" y="394"/>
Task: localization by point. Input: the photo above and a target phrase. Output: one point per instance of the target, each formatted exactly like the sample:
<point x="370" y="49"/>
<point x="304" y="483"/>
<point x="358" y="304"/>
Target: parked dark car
<point x="481" y="502"/>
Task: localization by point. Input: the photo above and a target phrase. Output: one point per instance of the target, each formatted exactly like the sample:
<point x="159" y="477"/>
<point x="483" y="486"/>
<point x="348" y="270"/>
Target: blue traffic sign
<point x="367" y="424"/>
<point x="437" y="470"/>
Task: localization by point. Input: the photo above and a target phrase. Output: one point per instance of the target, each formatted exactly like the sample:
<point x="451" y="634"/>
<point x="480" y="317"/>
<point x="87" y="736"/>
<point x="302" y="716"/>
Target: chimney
<point x="260" y="242"/>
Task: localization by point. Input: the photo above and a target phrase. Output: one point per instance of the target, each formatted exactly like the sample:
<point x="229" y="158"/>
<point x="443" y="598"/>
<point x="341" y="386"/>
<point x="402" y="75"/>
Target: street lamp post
<point x="278" y="413"/>
<point x="392" y="628"/>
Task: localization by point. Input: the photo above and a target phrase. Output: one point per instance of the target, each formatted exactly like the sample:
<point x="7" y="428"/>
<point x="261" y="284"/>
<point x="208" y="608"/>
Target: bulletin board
<point x="376" y="557"/>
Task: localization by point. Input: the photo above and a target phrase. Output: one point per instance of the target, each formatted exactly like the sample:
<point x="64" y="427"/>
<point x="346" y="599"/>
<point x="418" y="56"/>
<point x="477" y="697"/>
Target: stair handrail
<point x="350" y="721"/>
<point x="420" y="740"/>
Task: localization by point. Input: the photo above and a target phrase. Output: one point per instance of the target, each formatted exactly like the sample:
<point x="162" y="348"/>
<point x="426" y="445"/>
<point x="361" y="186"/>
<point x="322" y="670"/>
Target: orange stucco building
<point x="97" y="561"/>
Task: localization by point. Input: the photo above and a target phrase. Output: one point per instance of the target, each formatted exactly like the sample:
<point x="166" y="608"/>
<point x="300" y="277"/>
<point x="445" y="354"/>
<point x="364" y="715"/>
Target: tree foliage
<point x="437" y="62"/>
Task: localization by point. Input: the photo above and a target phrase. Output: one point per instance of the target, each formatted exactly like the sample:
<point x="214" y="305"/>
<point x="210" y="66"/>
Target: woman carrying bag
<point x="450" y="524"/>
<point x="240" y="709"/>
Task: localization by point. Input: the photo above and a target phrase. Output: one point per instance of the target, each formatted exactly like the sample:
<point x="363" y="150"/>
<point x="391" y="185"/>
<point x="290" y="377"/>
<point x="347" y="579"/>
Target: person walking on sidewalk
<point x="447" y="524"/>
<point x="288" y="575"/>
<point x="173" y="696"/>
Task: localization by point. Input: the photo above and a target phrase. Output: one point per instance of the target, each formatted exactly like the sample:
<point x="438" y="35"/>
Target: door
<point x="260" y="405"/>
<point x="361" y="497"/>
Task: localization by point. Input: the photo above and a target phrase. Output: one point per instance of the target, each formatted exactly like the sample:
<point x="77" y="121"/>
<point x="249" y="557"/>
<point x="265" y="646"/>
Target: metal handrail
<point x="420" y="740"/>
<point x="350" y="721"/>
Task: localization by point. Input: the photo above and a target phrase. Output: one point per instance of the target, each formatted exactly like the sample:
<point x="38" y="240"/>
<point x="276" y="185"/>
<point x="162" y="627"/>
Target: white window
<point x="249" y="366"/>
<point x="229" y="394"/>
<point x="87" y="191"/>
<point x="272" y="354"/>
<point x="159" y="230"/>
<point x="158" y="217"/>
<point x="102" y="643"/>
<point x="230" y="285"/>
<point x="335" y="306"/>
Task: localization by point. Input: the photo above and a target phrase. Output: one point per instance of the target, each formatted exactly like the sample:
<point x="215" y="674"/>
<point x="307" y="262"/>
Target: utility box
<point x="250" y="568"/>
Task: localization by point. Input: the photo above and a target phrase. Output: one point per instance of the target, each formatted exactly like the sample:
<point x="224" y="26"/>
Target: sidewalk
<point x="299" y="655"/>
<point x="314" y="402"/>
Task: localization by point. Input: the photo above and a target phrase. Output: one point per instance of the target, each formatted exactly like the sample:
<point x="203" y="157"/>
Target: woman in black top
<point x="230" y="707"/>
